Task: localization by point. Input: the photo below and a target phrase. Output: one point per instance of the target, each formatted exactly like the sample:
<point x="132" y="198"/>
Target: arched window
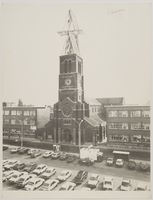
<point x="69" y="66"/>
<point x="65" y="66"/>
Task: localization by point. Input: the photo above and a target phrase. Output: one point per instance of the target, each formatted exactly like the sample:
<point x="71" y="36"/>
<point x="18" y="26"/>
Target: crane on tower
<point x="71" y="31"/>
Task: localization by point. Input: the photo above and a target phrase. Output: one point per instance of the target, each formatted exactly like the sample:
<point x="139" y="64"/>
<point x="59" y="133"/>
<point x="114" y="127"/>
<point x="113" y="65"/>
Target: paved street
<point x="99" y="168"/>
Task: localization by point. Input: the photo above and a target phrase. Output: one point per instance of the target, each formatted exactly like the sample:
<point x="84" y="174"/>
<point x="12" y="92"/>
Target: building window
<point x="13" y="112"/>
<point x="79" y="67"/>
<point x="13" y="121"/>
<point x="65" y="66"/>
<point x="145" y="139"/>
<point x="112" y="113"/>
<point x="123" y="113"/>
<point x="19" y="112"/>
<point x="67" y="121"/>
<point x="18" y="121"/>
<point x="32" y="122"/>
<point x="122" y="126"/>
<point x="145" y="113"/>
<point x="6" y="121"/>
<point x="69" y="66"/>
<point x="26" y="112"/>
<point x="136" y="126"/>
<point x="6" y="112"/>
<point x="135" y="113"/>
<point x="136" y="138"/>
<point x="119" y="138"/>
<point x="146" y="126"/>
<point x="32" y="113"/>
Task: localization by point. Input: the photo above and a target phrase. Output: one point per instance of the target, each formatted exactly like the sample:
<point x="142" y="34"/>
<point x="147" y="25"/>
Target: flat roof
<point x="127" y="105"/>
<point x="121" y="152"/>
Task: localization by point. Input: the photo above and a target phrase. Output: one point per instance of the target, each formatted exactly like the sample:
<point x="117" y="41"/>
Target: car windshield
<point x="93" y="178"/>
<point x="108" y="182"/>
<point x="63" y="173"/>
<point x="30" y="183"/>
<point x="14" y="176"/>
<point x="126" y="184"/>
<point x="48" y="171"/>
<point x="11" y="162"/>
<point x="21" y="179"/>
<point x="62" y="188"/>
<point x="39" y="168"/>
<point x="110" y="159"/>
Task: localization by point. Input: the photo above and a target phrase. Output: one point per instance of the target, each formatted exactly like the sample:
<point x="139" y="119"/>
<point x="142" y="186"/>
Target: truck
<point x="89" y="155"/>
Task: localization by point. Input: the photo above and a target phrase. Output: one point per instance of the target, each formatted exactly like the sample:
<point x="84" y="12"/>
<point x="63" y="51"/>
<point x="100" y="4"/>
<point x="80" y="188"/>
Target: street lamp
<point x="22" y="124"/>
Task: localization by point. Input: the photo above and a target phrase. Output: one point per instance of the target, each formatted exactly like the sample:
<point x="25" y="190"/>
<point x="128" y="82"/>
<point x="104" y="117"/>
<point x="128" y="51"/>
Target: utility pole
<point x="22" y="124"/>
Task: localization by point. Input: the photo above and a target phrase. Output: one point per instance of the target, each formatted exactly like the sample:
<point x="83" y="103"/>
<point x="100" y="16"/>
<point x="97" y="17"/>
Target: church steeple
<point x="71" y="31"/>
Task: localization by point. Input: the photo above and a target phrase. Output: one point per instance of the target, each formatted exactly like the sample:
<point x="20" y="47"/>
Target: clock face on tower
<point x="68" y="81"/>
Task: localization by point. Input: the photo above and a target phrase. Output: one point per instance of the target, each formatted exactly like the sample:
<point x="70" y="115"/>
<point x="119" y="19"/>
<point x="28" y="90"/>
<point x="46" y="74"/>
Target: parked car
<point x="35" y="154"/>
<point x="63" y="156"/>
<point x="30" y="151"/>
<point x="80" y="177"/>
<point x="93" y="181"/>
<point x="15" y="177"/>
<point x="48" y="173"/>
<point x="141" y="187"/>
<point x="68" y="186"/>
<point x="15" y="149"/>
<point x="64" y="175"/>
<point x="125" y="185"/>
<point x="30" y="167"/>
<point x="131" y="164"/>
<point x="110" y="161"/>
<point x="10" y="164"/>
<point x="5" y="147"/>
<point x="86" y="189"/>
<point x="7" y="175"/>
<point x="34" y="184"/>
<point x="86" y="161"/>
<point x="40" y="169"/>
<point x="55" y="155"/>
<point x="71" y="159"/>
<point x="119" y="162"/>
<point x="5" y="162"/>
<point x="107" y="183"/>
<point x="47" y="154"/>
<point x="49" y="185"/>
<point x="144" y="166"/>
<point x="23" y="150"/>
<point x="24" y="179"/>
<point x="19" y="166"/>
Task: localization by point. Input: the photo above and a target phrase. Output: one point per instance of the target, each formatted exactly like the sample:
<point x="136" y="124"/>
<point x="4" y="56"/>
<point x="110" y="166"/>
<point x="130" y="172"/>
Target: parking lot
<point x="99" y="168"/>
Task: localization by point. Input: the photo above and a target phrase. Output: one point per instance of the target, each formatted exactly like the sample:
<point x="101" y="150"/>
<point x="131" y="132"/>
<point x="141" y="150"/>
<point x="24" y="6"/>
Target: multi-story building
<point x="26" y="119"/>
<point x="128" y="124"/>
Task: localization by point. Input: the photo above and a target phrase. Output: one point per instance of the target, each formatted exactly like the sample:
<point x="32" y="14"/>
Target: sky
<point x="115" y="46"/>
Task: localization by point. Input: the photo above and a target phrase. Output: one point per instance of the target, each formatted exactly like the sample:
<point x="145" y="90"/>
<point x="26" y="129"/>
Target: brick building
<point x="128" y="124"/>
<point x="24" y="118"/>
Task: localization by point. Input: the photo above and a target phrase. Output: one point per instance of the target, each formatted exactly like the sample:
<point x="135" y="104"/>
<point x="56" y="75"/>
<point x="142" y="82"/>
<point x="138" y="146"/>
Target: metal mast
<point x="71" y="32"/>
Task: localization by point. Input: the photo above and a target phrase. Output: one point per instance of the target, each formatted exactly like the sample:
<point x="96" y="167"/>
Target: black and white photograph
<point x="76" y="98"/>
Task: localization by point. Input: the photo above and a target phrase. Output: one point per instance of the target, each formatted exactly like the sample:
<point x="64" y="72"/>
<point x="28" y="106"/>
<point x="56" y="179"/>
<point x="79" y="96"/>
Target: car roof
<point x="126" y="180"/>
<point x="108" y="178"/>
<point x="65" y="171"/>
<point x="50" y="168"/>
<point x="68" y="184"/>
<point x="141" y="185"/>
<point x="94" y="175"/>
<point x="41" y="165"/>
<point x="119" y="159"/>
<point x="51" y="180"/>
<point x="35" y="179"/>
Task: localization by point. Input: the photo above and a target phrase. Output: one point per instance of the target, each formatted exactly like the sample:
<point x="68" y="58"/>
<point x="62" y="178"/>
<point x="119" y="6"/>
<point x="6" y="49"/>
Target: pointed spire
<point x="71" y="31"/>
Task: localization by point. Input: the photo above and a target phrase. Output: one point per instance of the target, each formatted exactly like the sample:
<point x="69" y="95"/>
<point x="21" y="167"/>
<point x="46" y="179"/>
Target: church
<point x="75" y="120"/>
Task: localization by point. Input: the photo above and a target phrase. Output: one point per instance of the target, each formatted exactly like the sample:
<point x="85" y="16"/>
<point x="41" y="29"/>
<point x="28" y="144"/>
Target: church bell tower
<point x="71" y="108"/>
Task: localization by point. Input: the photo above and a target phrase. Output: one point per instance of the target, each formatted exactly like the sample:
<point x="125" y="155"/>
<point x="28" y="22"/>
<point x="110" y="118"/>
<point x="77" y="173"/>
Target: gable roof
<point x="111" y="101"/>
<point x="94" y="120"/>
